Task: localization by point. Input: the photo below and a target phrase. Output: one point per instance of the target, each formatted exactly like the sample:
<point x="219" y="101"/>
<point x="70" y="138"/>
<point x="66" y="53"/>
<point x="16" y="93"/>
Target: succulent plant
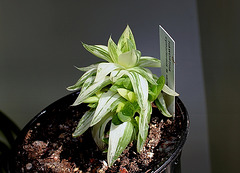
<point x="120" y="92"/>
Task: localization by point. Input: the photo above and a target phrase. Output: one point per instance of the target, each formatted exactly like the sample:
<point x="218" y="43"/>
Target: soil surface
<point x="49" y="146"/>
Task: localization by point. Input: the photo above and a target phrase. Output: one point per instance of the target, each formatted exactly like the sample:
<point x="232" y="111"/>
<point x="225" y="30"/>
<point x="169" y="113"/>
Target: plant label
<point x="167" y="56"/>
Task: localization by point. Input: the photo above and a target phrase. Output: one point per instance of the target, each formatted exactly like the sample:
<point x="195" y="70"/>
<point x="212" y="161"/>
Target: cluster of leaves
<point x="119" y="92"/>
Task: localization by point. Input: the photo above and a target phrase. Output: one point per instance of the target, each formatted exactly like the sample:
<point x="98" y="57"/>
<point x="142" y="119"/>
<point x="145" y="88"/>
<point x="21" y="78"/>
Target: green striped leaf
<point x="143" y="126"/>
<point x="169" y="91"/>
<point x="140" y="88"/>
<point x="99" y="51"/>
<point x="146" y="61"/>
<point x="126" y="42"/>
<point x="113" y="50"/>
<point x="99" y="129"/>
<point x="84" y="123"/>
<point x="104" y="69"/>
<point x="160" y="103"/>
<point x="90" y="67"/>
<point x="104" y="106"/>
<point x="91" y="90"/>
<point x="87" y="83"/>
<point x="119" y="137"/>
<point x="146" y="73"/>
<point x="83" y="78"/>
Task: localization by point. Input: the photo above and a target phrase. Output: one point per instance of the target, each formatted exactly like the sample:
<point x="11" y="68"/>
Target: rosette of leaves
<point x="120" y="92"/>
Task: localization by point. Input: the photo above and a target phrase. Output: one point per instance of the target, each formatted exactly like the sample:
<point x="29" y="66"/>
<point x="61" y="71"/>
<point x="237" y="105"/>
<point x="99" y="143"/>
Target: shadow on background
<point x="220" y="42"/>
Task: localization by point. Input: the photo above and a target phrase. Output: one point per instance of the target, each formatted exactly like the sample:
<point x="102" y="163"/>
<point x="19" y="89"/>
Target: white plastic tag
<point x="167" y="56"/>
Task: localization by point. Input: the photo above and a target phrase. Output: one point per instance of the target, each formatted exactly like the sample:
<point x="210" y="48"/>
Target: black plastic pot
<point x="171" y="165"/>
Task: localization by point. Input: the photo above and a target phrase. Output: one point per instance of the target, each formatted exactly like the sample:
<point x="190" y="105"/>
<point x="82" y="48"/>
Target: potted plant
<point x="117" y="122"/>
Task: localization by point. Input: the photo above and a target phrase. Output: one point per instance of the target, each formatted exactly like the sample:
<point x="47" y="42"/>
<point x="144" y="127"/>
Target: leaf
<point x="169" y="91"/>
<point x="129" y="59"/>
<point x="127" y="94"/>
<point x="90" y="67"/>
<point x="98" y="50"/>
<point x="127" y="84"/>
<point x="87" y="83"/>
<point x="140" y="87"/>
<point x="146" y="61"/>
<point x="99" y="129"/>
<point x="126" y="42"/>
<point x="146" y="73"/>
<point x="104" y="69"/>
<point x="92" y="105"/>
<point x="113" y="50"/>
<point x="119" y="137"/>
<point x="92" y="99"/>
<point x="115" y="75"/>
<point x="160" y="103"/>
<point x="143" y="122"/>
<point x="118" y="104"/>
<point x="156" y="89"/>
<point x="83" y="78"/>
<point x="114" y="88"/>
<point x="104" y="106"/>
<point x="127" y="112"/>
<point x="131" y="96"/>
<point x="84" y="123"/>
<point x="120" y="81"/>
<point x="123" y="92"/>
<point x="116" y="120"/>
<point x="91" y="90"/>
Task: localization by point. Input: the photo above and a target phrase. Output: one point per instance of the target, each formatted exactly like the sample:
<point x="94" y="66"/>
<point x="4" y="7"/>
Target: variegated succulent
<point x="119" y="93"/>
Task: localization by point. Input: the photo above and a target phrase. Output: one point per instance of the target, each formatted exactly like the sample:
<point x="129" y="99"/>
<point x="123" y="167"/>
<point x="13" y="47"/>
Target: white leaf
<point x="140" y="87"/>
<point x="83" y="78"/>
<point x="113" y="50"/>
<point x="123" y="41"/>
<point x="160" y="103"/>
<point x="103" y="47"/>
<point x="104" y="106"/>
<point x="84" y="123"/>
<point x="99" y="129"/>
<point x="144" y="119"/>
<point x="99" y="51"/>
<point x="91" y="90"/>
<point x="104" y="69"/>
<point x="119" y="137"/>
<point x="93" y="66"/>
<point x="146" y="61"/>
<point x="146" y="73"/>
<point x="87" y="83"/>
<point x="169" y="91"/>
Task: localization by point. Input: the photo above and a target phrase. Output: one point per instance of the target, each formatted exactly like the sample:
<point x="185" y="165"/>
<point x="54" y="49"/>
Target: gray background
<point x="40" y="44"/>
